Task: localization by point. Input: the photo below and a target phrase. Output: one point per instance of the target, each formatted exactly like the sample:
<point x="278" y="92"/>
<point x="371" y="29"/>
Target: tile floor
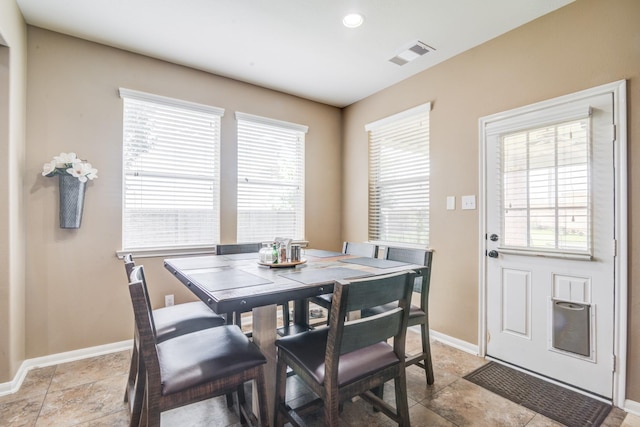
<point x="89" y="393"/>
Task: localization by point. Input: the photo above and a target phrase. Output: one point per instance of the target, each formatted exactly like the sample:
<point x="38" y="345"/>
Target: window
<point x="171" y="173"/>
<point x="545" y="187"/>
<point x="399" y="177"/>
<point x="270" y="179"/>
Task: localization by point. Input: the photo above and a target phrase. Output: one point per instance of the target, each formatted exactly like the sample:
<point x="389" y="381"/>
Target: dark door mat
<point x="560" y="404"/>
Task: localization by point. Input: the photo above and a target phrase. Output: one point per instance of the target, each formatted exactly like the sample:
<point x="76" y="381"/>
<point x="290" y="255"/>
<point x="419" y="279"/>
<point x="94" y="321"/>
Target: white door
<point x="550" y="258"/>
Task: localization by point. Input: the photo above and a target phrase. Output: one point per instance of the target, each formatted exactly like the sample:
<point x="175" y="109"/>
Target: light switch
<point x="451" y="203"/>
<point x="468" y="202"/>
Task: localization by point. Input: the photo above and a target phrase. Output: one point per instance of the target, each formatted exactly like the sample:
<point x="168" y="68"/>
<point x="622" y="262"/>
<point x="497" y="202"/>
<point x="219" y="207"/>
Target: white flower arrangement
<point x="68" y="163"/>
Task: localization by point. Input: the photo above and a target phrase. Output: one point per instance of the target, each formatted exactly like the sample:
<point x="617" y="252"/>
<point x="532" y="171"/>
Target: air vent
<point x="412" y="52"/>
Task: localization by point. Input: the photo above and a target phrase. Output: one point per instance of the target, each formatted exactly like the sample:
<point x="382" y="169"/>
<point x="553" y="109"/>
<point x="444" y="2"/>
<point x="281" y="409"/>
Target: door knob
<point x="493" y="254"/>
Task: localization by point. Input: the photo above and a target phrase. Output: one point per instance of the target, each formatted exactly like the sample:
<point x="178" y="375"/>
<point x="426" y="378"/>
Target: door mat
<point x="558" y="403"/>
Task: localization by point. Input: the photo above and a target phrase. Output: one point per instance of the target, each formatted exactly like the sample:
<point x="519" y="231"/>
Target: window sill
<point x="165" y="252"/>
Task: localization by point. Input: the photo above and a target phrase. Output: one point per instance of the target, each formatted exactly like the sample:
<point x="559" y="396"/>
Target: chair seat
<point x="308" y="349"/>
<point x="416" y="315"/>
<point x="186" y="362"/>
<point x="186" y="318"/>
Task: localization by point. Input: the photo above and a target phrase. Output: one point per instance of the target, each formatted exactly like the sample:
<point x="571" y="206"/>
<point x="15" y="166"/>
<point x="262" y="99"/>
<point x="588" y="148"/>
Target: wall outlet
<point x="168" y="300"/>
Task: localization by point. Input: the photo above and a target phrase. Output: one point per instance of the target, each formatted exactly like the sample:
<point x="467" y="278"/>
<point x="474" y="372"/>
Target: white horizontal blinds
<point x="171" y="173"/>
<point x="270" y="179"/>
<point x="546" y="188"/>
<point x="399" y="177"/>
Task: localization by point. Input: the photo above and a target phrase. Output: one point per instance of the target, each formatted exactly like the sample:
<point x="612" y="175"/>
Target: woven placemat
<point x="553" y="401"/>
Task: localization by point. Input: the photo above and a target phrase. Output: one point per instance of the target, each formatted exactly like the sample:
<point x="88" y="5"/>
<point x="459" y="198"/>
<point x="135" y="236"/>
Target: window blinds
<point x="546" y="187"/>
<point x="399" y="177"/>
<point x="270" y="179"/>
<point x="171" y="172"/>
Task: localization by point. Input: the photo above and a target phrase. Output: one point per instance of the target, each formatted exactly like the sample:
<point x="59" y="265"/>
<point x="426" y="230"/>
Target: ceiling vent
<point x="412" y="52"/>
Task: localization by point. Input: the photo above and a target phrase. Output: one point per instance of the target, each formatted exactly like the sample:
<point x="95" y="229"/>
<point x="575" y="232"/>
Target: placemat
<point x="558" y="403"/>
<point x="191" y="262"/>
<point x="321" y="253"/>
<point x="374" y="262"/>
<point x="227" y="278"/>
<point x="325" y="274"/>
<point x="247" y="255"/>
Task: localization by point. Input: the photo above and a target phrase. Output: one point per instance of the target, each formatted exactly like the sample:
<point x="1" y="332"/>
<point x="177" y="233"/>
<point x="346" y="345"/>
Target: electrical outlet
<point x="168" y="300"/>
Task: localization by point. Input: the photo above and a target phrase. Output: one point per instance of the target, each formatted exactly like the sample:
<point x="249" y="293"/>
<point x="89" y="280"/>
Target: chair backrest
<point x="129" y="266"/>
<point x="238" y="248"/>
<point x="360" y="249"/>
<point x="346" y="336"/>
<point x="414" y="256"/>
<point x="144" y="319"/>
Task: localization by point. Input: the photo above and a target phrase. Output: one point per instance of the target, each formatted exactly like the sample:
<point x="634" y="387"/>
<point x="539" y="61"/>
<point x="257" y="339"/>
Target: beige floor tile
<point x="631" y="420"/>
<point x="35" y="383"/>
<point x="211" y="412"/>
<point x="83" y="403"/>
<point x="615" y="418"/>
<point x="117" y="419"/>
<point x="454" y="361"/>
<point x="20" y="413"/>
<point x="466" y="404"/>
<point x="90" y="370"/>
<point x="422" y="416"/>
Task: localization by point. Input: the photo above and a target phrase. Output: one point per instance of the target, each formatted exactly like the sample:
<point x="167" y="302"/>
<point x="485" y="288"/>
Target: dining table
<point x="240" y="283"/>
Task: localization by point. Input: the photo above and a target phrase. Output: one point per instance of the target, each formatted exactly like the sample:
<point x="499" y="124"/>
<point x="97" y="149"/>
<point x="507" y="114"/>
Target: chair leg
<point x="402" y="403"/>
<point x="281" y="390"/>
<point x="331" y="408"/>
<point x="133" y="370"/>
<point x="261" y="390"/>
<point x="426" y="350"/>
<point x="138" y="397"/>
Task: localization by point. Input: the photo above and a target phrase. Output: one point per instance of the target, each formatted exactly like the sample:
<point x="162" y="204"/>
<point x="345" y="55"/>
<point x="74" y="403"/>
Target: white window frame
<point x="199" y="178"/>
<point x="386" y="133"/>
<point x="262" y="143"/>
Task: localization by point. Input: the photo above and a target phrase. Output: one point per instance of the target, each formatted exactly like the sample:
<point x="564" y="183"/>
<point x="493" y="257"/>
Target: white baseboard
<point x="455" y="342"/>
<point x="632" y="407"/>
<point x="55" y="359"/>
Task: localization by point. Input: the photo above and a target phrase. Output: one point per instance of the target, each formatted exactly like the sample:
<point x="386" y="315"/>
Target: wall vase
<point x="71" y="201"/>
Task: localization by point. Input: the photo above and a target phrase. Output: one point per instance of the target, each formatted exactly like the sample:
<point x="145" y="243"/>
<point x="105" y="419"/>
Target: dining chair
<point x="241" y="248"/>
<point x="193" y="367"/>
<point x="418" y="315"/>
<point x="349" y="358"/>
<point x="169" y="322"/>
<point x="363" y="249"/>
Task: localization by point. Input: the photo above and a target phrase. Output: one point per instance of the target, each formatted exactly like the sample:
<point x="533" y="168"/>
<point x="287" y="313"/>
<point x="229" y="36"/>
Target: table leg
<point x="264" y="335"/>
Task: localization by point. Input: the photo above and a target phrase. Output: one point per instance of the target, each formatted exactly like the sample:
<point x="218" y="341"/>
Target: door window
<point x="545" y="188"/>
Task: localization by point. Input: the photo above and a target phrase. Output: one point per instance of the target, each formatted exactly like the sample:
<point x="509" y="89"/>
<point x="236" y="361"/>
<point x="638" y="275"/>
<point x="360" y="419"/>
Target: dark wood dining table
<point x="239" y="283"/>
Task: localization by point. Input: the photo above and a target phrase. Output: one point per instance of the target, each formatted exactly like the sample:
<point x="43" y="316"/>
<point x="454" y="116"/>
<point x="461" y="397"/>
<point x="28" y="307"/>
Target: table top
<point x="229" y="283"/>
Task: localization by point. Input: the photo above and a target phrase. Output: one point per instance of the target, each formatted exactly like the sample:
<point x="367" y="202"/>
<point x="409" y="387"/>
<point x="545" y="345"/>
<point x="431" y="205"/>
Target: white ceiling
<point x="298" y="47"/>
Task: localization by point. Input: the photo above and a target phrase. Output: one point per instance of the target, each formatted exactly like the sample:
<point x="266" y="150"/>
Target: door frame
<point x="618" y="89"/>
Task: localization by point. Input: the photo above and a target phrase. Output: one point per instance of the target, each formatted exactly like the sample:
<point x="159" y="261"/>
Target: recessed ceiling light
<point x="353" y="20"/>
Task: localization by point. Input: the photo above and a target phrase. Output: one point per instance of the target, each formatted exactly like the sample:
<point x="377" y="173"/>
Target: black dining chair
<point x="243" y="248"/>
<point x="169" y="322"/>
<point x="418" y="315"/>
<point x="349" y="358"/>
<point x="363" y="249"/>
<point x="193" y="367"/>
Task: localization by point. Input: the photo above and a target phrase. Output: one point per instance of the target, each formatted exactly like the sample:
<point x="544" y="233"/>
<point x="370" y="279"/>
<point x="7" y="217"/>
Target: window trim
<point x="195" y="249"/>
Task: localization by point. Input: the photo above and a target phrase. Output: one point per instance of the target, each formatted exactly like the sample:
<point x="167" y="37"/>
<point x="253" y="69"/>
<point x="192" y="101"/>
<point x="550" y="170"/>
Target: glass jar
<point x="266" y="253"/>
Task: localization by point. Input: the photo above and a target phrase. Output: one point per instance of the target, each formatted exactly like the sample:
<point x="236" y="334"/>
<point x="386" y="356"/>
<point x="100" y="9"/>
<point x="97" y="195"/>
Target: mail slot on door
<point x="571" y="327"/>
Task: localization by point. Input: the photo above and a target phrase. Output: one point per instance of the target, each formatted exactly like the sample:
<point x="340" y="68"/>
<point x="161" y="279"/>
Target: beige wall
<point x="13" y="54"/>
<point x="585" y="44"/>
<point x="76" y="293"/>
